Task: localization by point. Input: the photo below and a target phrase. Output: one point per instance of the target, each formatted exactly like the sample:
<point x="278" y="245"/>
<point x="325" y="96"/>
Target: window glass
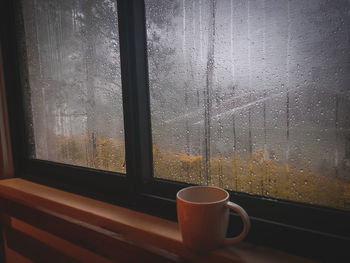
<point x="75" y="97"/>
<point x="252" y="96"/>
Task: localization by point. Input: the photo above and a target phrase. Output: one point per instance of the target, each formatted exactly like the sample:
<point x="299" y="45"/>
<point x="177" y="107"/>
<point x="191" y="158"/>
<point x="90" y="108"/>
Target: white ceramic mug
<point x="203" y="215"/>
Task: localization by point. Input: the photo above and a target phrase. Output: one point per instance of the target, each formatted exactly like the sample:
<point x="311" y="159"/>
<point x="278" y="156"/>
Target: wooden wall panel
<point x="13" y="257"/>
<point x="34" y="249"/>
<point x="39" y="234"/>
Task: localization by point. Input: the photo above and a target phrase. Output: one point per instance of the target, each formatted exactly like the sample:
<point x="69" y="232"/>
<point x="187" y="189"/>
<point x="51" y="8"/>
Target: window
<point x="75" y="99"/>
<point x="244" y="93"/>
<point x="129" y="101"/>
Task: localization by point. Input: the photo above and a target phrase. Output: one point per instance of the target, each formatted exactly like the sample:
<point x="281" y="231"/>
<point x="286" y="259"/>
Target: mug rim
<point x="202" y="203"/>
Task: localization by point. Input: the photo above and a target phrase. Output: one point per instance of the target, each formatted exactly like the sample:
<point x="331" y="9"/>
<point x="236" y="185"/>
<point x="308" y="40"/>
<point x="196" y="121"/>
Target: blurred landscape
<point x="252" y="96"/>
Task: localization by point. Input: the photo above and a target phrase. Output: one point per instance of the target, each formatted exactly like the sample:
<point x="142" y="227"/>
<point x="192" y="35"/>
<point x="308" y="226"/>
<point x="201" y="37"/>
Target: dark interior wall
<point x="6" y="167"/>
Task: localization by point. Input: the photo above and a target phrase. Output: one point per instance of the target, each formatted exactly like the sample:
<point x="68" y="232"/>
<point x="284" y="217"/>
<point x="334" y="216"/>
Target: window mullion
<point x="136" y="105"/>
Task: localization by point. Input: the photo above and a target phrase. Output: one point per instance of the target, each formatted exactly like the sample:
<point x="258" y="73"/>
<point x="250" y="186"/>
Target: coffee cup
<point x="203" y="216"/>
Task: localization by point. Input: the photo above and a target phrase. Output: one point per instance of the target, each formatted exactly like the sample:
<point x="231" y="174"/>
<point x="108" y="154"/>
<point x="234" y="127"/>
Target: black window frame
<point x="313" y="231"/>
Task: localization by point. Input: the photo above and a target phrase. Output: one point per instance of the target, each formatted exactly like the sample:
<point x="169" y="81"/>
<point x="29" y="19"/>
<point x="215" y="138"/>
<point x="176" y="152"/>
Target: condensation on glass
<point x="73" y="64"/>
<point x="252" y="96"/>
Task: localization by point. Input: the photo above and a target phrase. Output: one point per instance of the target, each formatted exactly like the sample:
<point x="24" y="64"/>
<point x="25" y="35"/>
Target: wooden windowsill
<point x="133" y="225"/>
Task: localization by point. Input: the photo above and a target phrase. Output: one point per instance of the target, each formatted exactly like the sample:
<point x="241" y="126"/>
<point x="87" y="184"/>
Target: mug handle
<point x="246" y="223"/>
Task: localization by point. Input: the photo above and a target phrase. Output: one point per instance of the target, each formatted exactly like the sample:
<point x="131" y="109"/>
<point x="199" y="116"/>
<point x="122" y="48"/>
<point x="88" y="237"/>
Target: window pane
<point x="75" y="99"/>
<point x="252" y="96"/>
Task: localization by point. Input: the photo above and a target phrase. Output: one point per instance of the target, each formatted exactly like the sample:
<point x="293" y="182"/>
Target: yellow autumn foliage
<point x="254" y="174"/>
